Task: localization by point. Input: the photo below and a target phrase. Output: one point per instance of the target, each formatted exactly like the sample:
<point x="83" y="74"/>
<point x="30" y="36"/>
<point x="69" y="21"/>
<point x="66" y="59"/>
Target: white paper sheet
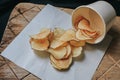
<point x="20" y="52"/>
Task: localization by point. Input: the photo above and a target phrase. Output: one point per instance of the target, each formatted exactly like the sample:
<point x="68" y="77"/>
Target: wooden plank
<point x="20" y="73"/>
<point x="105" y="64"/>
<point x="29" y="15"/>
<point x="31" y="77"/>
<point x="22" y="7"/>
<point x="17" y="24"/>
<point x="6" y="73"/>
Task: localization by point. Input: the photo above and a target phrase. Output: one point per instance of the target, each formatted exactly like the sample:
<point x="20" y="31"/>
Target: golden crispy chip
<point x="43" y="34"/>
<point x="65" y="44"/>
<point x="41" y="44"/>
<point x="68" y="35"/>
<point x="77" y="43"/>
<point x="51" y="36"/>
<point x="61" y="63"/>
<point x="53" y="64"/>
<point x="68" y="47"/>
<point x="83" y="33"/>
<point x="93" y="38"/>
<point x="59" y="52"/>
<point x="85" y="25"/>
<point x="58" y="32"/>
<point x="93" y="35"/>
<point x="56" y="43"/>
<point x="77" y="20"/>
<point x="80" y="36"/>
<point x="76" y="51"/>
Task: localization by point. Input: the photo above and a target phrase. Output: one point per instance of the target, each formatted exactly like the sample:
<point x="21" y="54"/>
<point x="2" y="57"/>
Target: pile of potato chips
<point x="62" y="44"/>
<point x="85" y="31"/>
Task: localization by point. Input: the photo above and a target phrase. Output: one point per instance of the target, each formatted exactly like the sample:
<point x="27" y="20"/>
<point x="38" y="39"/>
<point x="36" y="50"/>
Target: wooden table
<point x="23" y="13"/>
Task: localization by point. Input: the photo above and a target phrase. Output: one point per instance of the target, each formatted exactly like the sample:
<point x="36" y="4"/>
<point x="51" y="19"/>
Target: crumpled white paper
<point x="20" y="52"/>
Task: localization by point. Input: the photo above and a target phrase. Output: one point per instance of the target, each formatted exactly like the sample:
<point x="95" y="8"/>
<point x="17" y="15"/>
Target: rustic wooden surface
<point x="23" y="13"/>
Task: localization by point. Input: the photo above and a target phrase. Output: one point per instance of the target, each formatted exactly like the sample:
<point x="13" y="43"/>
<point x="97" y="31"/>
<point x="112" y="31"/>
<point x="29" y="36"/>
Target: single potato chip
<point x="65" y="44"/>
<point x="41" y="44"/>
<point x="56" y="43"/>
<point x="58" y="32"/>
<point x="91" y="34"/>
<point x="58" y="53"/>
<point x="77" y="43"/>
<point x="61" y="63"/>
<point x="43" y="34"/>
<point x="68" y="47"/>
<point x="77" y="20"/>
<point x="80" y="36"/>
<point x="54" y="65"/>
<point x="85" y="25"/>
<point x="76" y="51"/>
<point x="68" y="35"/>
<point x="83" y="33"/>
<point x="51" y="36"/>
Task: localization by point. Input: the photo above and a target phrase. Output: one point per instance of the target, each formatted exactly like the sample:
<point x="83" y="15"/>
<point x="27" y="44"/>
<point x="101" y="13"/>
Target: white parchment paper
<point x="20" y="52"/>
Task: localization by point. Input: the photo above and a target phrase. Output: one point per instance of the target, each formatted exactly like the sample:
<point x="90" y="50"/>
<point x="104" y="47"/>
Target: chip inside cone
<point x="59" y="52"/>
<point x="76" y="51"/>
<point x="91" y="34"/>
<point x="83" y="33"/>
<point x="61" y="63"/>
<point x="85" y="25"/>
<point x="43" y="34"/>
<point x="77" y="20"/>
<point x="39" y="44"/>
<point x="80" y="36"/>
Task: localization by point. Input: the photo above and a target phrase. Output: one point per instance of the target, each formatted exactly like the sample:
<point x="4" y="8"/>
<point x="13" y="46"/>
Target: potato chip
<point x="58" y="32"/>
<point x="68" y="47"/>
<point x="83" y="33"/>
<point x="85" y="25"/>
<point x="68" y="35"/>
<point x="54" y="65"/>
<point x="80" y="36"/>
<point x="77" y="20"/>
<point x="65" y="44"/>
<point x="61" y="63"/>
<point x="58" y="53"/>
<point x="89" y="33"/>
<point x="77" y="43"/>
<point x="56" y="43"/>
<point x="51" y="36"/>
<point x="43" y="34"/>
<point x="76" y="51"/>
<point x="93" y="35"/>
<point x="39" y="44"/>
